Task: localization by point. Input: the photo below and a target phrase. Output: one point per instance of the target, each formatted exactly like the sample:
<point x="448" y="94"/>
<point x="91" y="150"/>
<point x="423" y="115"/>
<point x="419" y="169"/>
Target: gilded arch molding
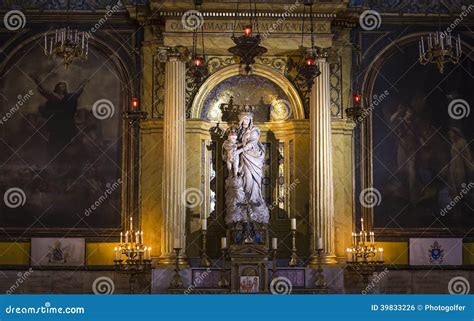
<point x="258" y="70"/>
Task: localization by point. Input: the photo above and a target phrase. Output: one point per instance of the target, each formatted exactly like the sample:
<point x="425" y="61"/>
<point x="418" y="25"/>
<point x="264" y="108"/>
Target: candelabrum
<point x="363" y="249"/>
<point x="441" y="48"/>
<point x="204" y="258"/>
<point x="223" y="283"/>
<point x="320" y="282"/>
<point x="132" y="256"/>
<point x="67" y="44"/>
<point x="294" y="258"/>
<point x="363" y="256"/>
<point x="176" y="282"/>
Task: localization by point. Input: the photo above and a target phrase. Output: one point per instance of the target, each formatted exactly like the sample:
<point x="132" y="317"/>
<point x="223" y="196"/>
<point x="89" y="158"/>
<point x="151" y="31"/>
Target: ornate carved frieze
<point x="91" y="5"/>
<point x="419" y="6"/>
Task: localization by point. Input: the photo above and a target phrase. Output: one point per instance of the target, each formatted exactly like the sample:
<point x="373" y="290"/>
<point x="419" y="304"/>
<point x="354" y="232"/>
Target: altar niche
<point x="284" y="137"/>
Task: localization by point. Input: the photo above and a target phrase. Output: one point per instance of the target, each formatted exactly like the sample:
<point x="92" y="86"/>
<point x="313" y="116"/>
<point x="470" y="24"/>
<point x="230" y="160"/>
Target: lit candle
<point x="149" y="253"/>
<point x="121" y="235"/>
<point x="204" y="224"/>
<point x="131" y="223"/>
<point x="362" y="223"/>
<point x="126" y="237"/>
<point x="223" y="242"/>
<point x="177" y="243"/>
<point x="115" y="253"/>
<point x="349" y="254"/>
<point x="293" y="223"/>
<point x="319" y="243"/>
<point x="380" y="254"/>
<point x="274" y="243"/>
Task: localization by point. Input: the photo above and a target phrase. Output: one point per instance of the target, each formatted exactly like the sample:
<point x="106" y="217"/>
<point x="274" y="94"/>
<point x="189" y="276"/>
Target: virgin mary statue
<point x="244" y="198"/>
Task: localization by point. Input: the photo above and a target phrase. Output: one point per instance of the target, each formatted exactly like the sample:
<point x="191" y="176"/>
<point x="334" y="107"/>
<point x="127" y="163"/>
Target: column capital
<point x="322" y="54"/>
<point x="173" y="53"/>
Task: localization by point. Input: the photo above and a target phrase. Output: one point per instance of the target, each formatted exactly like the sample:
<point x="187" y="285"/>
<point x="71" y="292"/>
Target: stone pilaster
<point x="321" y="180"/>
<point x="174" y="156"/>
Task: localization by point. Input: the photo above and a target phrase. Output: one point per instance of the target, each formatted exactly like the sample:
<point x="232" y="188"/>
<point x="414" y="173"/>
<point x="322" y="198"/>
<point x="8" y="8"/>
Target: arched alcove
<point x="267" y="73"/>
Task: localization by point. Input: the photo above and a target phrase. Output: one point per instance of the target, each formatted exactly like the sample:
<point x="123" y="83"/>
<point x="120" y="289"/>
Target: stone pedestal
<point x="321" y="180"/>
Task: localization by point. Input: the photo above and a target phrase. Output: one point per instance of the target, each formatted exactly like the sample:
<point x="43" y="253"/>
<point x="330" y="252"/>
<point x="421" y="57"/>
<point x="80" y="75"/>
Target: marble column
<point x="321" y="180"/>
<point x="173" y="227"/>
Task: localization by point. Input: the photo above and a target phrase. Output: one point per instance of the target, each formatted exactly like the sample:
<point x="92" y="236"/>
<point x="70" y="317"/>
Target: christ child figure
<point x="230" y="153"/>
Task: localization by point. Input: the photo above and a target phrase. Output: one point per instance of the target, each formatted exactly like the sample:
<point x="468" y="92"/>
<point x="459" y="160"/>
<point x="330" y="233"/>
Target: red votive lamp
<point x="309" y="61"/>
<point x="198" y="61"/>
<point x="248" y="30"/>
<point x="135" y="103"/>
<point x="357" y="99"/>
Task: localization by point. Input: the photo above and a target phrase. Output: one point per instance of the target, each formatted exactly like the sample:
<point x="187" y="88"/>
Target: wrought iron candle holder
<point x="294" y="258"/>
<point x="204" y="258"/>
<point x="132" y="256"/>
<point x="320" y="282"/>
<point x="274" y="270"/>
<point x="176" y="281"/>
<point x="363" y="257"/>
<point x="223" y="283"/>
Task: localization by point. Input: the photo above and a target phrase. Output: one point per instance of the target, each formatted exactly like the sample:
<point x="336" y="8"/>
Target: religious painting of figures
<point x="61" y="143"/>
<point x="423" y="160"/>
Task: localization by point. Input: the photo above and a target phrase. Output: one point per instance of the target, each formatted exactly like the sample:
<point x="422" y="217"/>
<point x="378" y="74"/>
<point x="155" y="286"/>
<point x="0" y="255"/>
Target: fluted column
<point x="321" y="181"/>
<point x="174" y="156"/>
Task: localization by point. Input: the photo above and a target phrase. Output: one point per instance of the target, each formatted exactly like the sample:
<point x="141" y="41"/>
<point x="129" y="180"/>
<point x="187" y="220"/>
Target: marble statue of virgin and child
<point x="244" y="156"/>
